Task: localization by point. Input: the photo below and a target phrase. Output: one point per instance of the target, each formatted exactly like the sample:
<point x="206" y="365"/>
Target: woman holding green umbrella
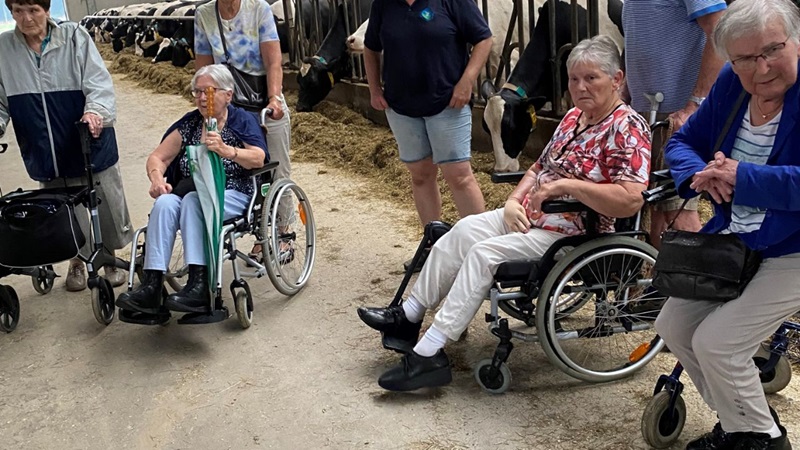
<point x="240" y="145"/>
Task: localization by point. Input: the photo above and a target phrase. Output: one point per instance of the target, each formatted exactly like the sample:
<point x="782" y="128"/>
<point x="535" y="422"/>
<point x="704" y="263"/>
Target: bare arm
<point x="621" y="199"/>
<point x="462" y="92"/>
<point x="271" y="55"/>
<point x="202" y="60"/>
<point x="372" y="64"/>
<point x="159" y="160"/>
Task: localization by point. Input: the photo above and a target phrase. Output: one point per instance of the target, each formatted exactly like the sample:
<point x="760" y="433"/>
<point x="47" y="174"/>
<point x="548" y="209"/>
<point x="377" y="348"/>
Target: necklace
<point x="761" y="113"/>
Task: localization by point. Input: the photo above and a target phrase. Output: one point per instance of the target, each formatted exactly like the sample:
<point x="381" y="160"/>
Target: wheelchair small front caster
<point x="43" y="280"/>
<point x="244" y="308"/>
<point x="103" y="301"/>
<point x="9" y="309"/>
<point x="776" y="379"/>
<point x="661" y="426"/>
<point x="491" y="380"/>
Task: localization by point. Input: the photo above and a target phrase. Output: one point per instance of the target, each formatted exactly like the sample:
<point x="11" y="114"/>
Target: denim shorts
<point x="445" y="137"/>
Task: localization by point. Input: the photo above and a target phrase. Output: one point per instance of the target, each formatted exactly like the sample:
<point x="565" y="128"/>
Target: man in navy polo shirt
<point x="428" y="76"/>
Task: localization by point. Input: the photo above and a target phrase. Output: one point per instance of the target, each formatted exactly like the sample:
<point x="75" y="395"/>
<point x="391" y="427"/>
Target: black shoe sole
<point x="180" y="307"/>
<point x="397" y="344"/>
<point x="130" y="306"/>
<point x="437" y="378"/>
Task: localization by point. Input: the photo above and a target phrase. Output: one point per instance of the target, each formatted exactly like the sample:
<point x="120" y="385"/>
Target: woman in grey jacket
<point x="51" y="76"/>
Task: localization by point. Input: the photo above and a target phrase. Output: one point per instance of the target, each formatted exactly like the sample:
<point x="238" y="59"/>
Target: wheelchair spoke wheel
<point x="177" y="270"/>
<point x="776" y="379"/>
<point x="9" y="309"/>
<point x="596" y="310"/>
<point x="289" y="233"/>
<point x="43" y="280"/>
<point x="661" y="427"/>
<point x="103" y="302"/>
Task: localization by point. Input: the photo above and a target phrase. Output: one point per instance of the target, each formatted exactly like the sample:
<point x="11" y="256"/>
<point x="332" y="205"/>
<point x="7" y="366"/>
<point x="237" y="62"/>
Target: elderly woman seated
<point x="754" y="181"/>
<point x="240" y="143"/>
<point x="599" y="155"/>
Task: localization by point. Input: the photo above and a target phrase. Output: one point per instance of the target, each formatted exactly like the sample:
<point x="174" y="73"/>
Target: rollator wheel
<point x="775" y="380"/>
<point x="289" y="233"/>
<point x="244" y="308"/>
<point x="103" y="302"/>
<point x="493" y="384"/>
<point x="660" y="426"/>
<point x="177" y="270"/>
<point x="43" y="282"/>
<point x="596" y="310"/>
<point x="9" y="309"/>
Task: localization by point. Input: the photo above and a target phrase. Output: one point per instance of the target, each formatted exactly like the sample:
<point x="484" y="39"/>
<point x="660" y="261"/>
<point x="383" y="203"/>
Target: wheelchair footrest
<point x="217" y="315"/>
<point x="143" y="318"/>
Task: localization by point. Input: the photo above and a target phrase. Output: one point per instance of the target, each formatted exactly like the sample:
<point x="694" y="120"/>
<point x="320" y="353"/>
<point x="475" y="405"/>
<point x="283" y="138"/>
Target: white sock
<point x="774" y="432"/>
<point x="432" y="341"/>
<point x="414" y="310"/>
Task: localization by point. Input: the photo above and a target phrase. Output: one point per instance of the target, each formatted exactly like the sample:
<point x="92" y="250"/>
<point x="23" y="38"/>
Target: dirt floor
<point x="304" y="375"/>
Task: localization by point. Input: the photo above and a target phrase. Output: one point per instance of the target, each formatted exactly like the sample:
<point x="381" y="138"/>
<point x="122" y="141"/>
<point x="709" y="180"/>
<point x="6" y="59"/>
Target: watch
<point x="697" y="100"/>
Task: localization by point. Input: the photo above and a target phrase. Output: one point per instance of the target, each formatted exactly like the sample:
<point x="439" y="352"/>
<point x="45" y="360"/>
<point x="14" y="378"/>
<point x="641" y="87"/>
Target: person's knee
<point x="710" y="342"/>
<point x="167" y="202"/>
<point x="422" y="173"/>
<point x="459" y="175"/>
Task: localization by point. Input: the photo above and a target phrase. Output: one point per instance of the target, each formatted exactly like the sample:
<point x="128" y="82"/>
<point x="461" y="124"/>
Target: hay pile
<point x="163" y="77"/>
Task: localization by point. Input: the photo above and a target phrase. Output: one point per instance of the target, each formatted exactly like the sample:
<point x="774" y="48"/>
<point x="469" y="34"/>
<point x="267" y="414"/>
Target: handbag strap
<point x="221" y="32"/>
<point x="717" y="145"/>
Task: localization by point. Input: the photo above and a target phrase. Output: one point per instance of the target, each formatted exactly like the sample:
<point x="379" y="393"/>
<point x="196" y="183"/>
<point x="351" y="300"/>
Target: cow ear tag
<point x="532" y="112"/>
<point x="426" y="14"/>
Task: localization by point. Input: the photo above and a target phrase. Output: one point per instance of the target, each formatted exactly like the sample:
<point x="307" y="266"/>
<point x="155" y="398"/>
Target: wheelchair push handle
<point x="266" y="112"/>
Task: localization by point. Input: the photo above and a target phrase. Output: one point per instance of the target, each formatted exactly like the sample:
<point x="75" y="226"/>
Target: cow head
<point x="509" y="117"/>
<point x="182" y="53"/>
<point x="316" y="80"/>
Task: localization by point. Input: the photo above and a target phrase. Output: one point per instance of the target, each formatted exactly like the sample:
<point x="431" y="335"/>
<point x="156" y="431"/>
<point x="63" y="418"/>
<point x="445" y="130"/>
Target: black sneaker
<point x="416" y="372"/>
<point x="761" y="441"/>
<point x="717" y="439"/>
<point x="399" y="333"/>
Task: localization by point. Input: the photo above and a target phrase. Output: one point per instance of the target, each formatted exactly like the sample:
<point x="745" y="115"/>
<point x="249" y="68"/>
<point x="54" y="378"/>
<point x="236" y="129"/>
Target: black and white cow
<point x="178" y="46"/>
<point x="510" y="114"/>
<point x="332" y="61"/>
<point x="284" y="23"/>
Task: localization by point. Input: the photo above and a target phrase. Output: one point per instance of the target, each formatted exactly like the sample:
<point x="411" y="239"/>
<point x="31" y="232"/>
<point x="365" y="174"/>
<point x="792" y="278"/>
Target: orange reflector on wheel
<point x="640" y="351"/>
<point x="302" y="212"/>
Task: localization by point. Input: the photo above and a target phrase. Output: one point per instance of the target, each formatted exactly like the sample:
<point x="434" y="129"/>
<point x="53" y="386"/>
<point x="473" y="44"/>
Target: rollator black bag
<point x="38" y="228"/>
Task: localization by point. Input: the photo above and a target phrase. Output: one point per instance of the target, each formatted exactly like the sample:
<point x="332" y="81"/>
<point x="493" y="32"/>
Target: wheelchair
<point x="42" y="276"/>
<point x="288" y="252"/>
<point x="589" y="297"/>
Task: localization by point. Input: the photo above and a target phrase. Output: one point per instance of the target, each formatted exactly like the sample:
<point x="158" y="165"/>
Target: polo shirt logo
<point x="426" y="14"/>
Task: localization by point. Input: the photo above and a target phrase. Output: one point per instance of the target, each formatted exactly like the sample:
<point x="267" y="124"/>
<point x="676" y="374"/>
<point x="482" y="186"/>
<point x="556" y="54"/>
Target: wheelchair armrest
<point x="660" y="193"/>
<point x="660" y="175"/>
<point x="563" y="206"/>
<point x="507" y="177"/>
<point x="270" y="166"/>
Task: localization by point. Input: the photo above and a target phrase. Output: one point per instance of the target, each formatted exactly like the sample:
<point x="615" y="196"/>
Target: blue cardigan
<point x="774" y="186"/>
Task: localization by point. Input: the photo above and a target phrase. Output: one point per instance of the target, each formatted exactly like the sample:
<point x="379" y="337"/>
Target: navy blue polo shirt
<point x="424" y="50"/>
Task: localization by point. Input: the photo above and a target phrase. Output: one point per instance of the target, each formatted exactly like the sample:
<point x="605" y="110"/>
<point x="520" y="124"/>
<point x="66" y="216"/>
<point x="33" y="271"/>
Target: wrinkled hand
<point x="718" y="178"/>
<point x="547" y="191"/>
<point x="515" y="216"/>
<point x="277" y="108"/>
<point x="215" y="144"/>
<point x="159" y="187"/>
<point x="95" y="123"/>
<point x="679" y="117"/>
<point x="462" y="93"/>
<point x="377" y="100"/>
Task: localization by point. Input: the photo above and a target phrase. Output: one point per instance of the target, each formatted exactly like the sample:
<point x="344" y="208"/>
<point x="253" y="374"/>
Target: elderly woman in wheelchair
<point x="599" y="155"/>
<point x="240" y="143"/>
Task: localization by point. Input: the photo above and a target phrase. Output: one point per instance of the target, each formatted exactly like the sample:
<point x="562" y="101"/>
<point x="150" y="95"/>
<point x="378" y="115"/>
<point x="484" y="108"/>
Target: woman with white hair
<point x="239" y="141"/>
<point x="754" y="180"/>
<point x="599" y="155"/>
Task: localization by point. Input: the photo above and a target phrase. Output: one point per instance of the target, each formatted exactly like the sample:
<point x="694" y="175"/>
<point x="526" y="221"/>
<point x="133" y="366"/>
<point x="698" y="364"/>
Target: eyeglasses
<point x="770" y="54"/>
<point x="196" y="93"/>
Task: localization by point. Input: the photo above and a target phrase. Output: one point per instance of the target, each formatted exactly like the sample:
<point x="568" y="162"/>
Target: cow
<point x="510" y="114"/>
<point x="331" y="62"/>
<point x="355" y="42"/>
<point x="179" y="33"/>
<point x="284" y="24"/>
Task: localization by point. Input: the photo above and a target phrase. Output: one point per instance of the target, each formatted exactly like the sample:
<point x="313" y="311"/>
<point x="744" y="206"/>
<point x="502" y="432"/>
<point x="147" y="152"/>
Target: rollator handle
<point x="266" y="112"/>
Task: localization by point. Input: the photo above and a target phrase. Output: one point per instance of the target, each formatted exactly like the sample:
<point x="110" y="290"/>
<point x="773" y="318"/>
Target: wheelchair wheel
<point x="567" y="305"/>
<point x="43" y="281"/>
<point x="103" y="302"/>
<point x="289" y="232"/>
<point x="9" y="309"/>
<point x="775" y="380"/>
<point x="607" y="333"/>
<point x="493" y="384"/>
<point x="244" y="308"/>
<point x="660" y="426"/>
<point x="177" y="270"/>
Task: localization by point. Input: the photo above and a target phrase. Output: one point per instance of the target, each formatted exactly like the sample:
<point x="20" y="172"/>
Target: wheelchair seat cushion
<point x="515" y="272"/>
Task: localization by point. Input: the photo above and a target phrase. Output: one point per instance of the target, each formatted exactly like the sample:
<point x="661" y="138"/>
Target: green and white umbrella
<point x="209" y="179"/>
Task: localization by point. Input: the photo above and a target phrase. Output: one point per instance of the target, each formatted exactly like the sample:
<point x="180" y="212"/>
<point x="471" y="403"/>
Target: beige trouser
<point x="279" y="135"/>
<point x="462" y="263"/>
<point x="716" y="342"/>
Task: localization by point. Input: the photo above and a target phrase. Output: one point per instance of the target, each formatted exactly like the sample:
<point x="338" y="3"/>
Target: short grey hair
<point x="599" y="50"/>
<point x="746" y="17"/>
<point x="219" y="73"/>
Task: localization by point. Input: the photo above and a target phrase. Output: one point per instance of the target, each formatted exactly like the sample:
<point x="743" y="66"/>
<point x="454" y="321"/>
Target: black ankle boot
<point x="147" y="297"/>
<point x="195" y="296"/>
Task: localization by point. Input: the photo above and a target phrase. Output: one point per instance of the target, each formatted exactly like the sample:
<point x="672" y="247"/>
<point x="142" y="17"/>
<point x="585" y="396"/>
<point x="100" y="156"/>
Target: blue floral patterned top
<point x="251" y="26"/>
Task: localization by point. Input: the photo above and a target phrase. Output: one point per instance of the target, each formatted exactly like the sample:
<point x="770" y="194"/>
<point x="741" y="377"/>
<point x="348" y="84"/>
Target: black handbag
<point x="38" y="228"/>
<point x="250" y="91"/>
<point x="702" y="266"/>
